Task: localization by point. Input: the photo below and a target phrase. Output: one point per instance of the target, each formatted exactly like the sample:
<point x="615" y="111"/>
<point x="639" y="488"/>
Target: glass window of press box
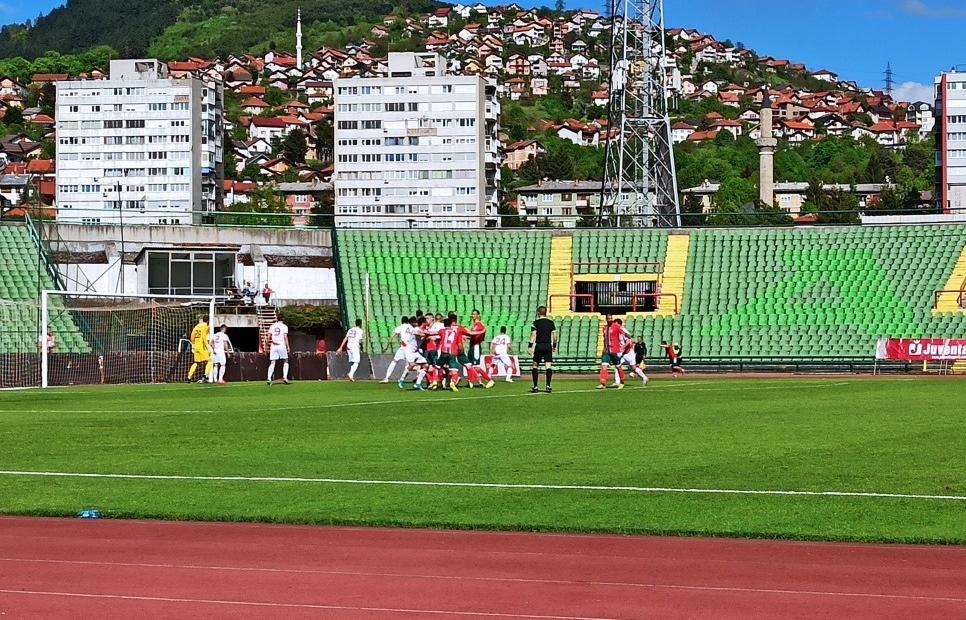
<point x="190" y="273"/>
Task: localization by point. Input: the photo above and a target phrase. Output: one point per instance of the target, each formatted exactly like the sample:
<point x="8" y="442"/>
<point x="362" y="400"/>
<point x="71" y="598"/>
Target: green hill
<point x="177" y="28"/>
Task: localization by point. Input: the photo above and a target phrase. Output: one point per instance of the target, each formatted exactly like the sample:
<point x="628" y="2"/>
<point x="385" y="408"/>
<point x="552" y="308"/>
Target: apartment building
<point x="140" y="147"/>
<point x="565" y="204"/>
<point x="951" y="141"/>
<point x="416" y="149"/>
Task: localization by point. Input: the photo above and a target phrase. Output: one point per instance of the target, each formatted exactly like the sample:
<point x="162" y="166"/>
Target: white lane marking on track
<point x="481" y="485"/>
<point x="166" y="599"/>
<point x="566" y="582"/>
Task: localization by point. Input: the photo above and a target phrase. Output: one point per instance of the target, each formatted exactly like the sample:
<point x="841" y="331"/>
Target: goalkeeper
<point x="201" y="349"/>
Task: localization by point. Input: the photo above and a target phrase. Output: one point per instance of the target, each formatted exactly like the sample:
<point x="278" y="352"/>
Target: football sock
<point x="191" y="371"/>
<point x="549" y="376"/>
<point x="420" y="375"/>
<point x="485" y="375"/>
<point x="221" y="372"/>
<point x="392" y="367"/>
<point x="271" y="370"/>
<point x="472" y="374"/>
<point x="353" y="369"/>
<point x="536" y="376"/>
<point x="208" y="367"/>
<point x="285" y="371"/>
<point x="404" y="374"/>
<point x="603" y="375"/>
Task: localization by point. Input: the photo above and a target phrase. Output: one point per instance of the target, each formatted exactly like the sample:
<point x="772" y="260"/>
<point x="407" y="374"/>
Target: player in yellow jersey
<point x="201" y="348"/>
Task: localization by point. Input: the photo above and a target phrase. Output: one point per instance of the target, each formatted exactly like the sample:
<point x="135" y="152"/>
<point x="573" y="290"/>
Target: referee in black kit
<point x="543" y="342"/>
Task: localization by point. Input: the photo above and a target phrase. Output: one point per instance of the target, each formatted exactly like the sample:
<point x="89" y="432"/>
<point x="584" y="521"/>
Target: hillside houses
<point x="525" y="55"/>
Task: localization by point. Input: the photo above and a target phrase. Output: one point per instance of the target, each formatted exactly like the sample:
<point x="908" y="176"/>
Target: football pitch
<point x="832" y="458"/>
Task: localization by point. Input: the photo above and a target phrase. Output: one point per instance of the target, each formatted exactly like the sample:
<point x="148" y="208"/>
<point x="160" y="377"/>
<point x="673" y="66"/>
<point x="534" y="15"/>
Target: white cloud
<point x="914" y="91"/>
<point x="920" y="8"/>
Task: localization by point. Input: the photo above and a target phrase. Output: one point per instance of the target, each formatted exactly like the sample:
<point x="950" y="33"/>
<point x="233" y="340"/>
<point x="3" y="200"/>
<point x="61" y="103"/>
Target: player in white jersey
<point x="399" y="335"/>
<point x="414" y="359"/>
<point x="352" y="343"/>
<point x="500" y="350"/>
<point x="278" y="335"/>
<point x="220" y="347"/>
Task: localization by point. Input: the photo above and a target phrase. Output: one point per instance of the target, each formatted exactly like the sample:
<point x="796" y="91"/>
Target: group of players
<point x="433" y="348"/>
<point x="212" y="351"/>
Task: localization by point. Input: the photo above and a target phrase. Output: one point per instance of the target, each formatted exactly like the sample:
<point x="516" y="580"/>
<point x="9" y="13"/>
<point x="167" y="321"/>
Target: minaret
<point x="298" y="41"/>
<point x="766" y="151"/>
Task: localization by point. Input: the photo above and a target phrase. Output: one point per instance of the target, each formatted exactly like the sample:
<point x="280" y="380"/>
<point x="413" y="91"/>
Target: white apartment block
<point x="139" y="147"/>
<point x="951" y="142"/>
<point x="417" y="149"/>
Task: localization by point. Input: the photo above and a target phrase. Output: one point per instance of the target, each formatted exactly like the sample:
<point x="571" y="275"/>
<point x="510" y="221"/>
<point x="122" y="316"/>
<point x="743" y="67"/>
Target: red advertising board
<point x="922" y="350"/>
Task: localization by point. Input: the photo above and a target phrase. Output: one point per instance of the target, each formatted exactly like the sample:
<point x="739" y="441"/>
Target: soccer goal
<point x="92" y="338"/>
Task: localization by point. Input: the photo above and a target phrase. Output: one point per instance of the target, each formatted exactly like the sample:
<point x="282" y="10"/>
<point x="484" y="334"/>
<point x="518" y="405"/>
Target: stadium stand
<point x="820" y="293"/>
<point x="503" y="274"/>
<point x="20" y="283"/>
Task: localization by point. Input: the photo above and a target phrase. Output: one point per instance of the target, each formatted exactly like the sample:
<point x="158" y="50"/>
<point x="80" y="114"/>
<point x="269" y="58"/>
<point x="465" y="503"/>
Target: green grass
<point x="886" y="436"/>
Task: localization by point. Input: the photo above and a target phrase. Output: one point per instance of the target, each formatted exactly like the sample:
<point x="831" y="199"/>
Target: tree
<point x="262" y="200"/>
<point x="559" y="7"/>
<point x="831" y="206"/>
<point x="325" y="140"/>
<point x="294" y="146"/>
<point x="692" y="211"/>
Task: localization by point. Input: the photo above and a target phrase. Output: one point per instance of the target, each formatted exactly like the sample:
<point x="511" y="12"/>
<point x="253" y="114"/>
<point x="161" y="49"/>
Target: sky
<point x="854" y="38"/>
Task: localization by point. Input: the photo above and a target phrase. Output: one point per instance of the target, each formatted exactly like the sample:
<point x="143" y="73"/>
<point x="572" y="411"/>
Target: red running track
<point x="148" y="569"/>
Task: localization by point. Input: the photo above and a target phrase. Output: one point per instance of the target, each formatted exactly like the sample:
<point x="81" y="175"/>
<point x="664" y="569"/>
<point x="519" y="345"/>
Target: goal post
<point x="97" y="338"/>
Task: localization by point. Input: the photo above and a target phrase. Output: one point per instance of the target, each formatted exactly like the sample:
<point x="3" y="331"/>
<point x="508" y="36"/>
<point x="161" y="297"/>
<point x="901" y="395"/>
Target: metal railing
<point x="657" y="265"/>
<point x="571" y="299"/>
<point x="424" y="222"/>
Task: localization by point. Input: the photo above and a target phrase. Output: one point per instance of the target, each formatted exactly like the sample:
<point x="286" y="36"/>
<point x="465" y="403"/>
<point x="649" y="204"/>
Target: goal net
<point x="88" y="339"/>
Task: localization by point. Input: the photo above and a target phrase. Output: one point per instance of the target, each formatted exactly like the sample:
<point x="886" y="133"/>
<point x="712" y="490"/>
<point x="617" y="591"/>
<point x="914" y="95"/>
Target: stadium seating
<point x="757" y="293"/>
<point x="504" y="275"/>
<point x="20" y="283"/>
<point x="618" y="246"/>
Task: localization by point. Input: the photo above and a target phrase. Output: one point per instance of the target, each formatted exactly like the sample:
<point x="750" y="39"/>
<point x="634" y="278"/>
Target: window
<point x="73" y="108"/>
<point x="113" y="140"/>
<point x="135" y="156"/>
<point x="95" y="108"/>
<point x="134" y="140"/>
<point x="90" y="188"/>
<point x="372" y="124"/>
<point x="134" y="124"/>
<point x="157" y="155"/>
<point x="189" y="273"/>
<point x="413" y="106"/>
<point x="90" y="125"/>
<point x="467" y="122"/>
<point x="157" y="172"/>
<point x="348" y="124"/>
<point x="113" y="124"/>
<point x="546" y="197"/>
<point x="177" y="123"/>
<point x="414" y="141"/>
<point x="566" y="197"/>
<point x="90" y="221"/>
<point x="179" y="106"/>
<point x="394" y="157"/>
<point x="179" y="172"/>
<point x="157" y="107"/>
<point x="371" y="157"/>
<point x="395" y="107"/>
<point x="957" y="118"/>
<point x="372" y="90"/>
<point x="157" y="139"/>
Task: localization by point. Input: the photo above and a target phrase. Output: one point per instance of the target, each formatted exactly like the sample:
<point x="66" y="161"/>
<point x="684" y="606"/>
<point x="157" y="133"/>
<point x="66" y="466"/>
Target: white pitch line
<point x="481" y="485"/>
<point x="394" y="610"/>
<point x="521" y="580"/>
<point x="370" y="403"/>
